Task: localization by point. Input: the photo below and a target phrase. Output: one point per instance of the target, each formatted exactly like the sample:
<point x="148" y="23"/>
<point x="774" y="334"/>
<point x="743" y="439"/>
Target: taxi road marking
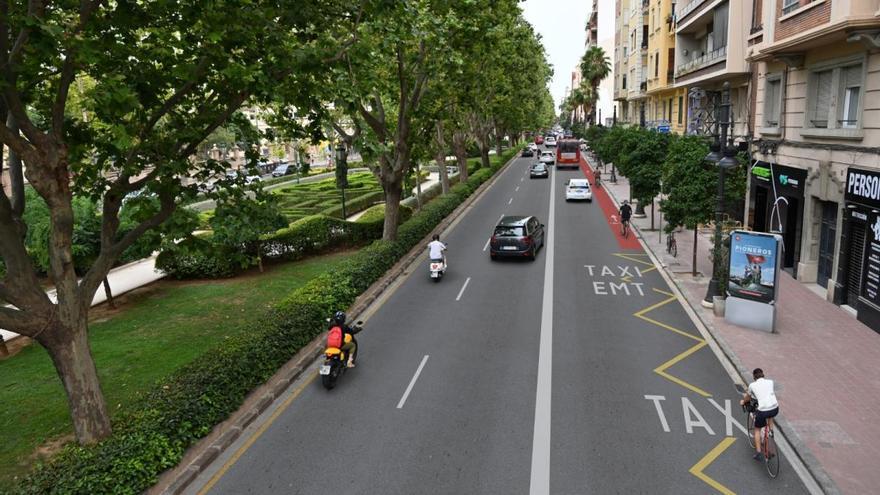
<point x="697" y="469"/>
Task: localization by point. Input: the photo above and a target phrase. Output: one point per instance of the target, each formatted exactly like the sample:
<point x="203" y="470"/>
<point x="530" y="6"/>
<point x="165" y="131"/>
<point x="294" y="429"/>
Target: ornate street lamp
<point x="342" y="172"/>
<point x="724" y="157"/>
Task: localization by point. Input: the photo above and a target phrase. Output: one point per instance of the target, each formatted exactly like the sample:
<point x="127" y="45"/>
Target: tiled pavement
<point x="825" y="362"/>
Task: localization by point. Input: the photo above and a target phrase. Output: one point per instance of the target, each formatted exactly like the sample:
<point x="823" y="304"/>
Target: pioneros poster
<point x="753" y="259"/>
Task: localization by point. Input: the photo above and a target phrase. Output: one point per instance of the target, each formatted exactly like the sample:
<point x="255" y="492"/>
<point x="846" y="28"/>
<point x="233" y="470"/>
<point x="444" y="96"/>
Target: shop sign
<point x="753" y="266"/>
<point x="863" y="187"/>
<point x="788" y="179"/>
<point x="871" y="282"/>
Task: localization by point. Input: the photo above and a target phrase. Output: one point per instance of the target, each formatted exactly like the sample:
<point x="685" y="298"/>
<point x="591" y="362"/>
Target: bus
<point x="568" y="153"/>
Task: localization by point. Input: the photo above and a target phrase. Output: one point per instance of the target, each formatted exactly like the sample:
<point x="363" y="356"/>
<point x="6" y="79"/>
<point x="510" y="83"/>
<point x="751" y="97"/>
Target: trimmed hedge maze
<point x="323" y="198"/>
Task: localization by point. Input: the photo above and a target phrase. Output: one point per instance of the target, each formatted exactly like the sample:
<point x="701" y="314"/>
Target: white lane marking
<point x="517" y="189"/>
<point x="522" y="179"/>
<point x="487" y="244"/>
<point x="463" y="287"/>
<point x="511" y="201"/>
<point x="540" y="480"/>
<point x="412" y="382"/>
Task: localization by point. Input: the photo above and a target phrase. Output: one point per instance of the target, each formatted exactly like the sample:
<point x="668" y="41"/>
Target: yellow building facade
<point x="665" y="106"/>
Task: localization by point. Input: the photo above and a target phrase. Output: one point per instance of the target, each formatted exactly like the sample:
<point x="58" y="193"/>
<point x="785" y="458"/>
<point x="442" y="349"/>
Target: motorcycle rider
<point x="349" y="347"/>
<point x="437" y="250"/>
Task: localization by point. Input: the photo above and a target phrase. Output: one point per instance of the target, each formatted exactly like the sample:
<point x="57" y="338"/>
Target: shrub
<point x="377" y="214"/>
<point x="197" y="257"/>
<point x="154" y="432"/>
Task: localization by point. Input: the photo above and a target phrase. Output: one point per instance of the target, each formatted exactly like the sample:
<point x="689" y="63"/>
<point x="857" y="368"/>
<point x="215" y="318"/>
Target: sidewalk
<point x="822" y="359"/>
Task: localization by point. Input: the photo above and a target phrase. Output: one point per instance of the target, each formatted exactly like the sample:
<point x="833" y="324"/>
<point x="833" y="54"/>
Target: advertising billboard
<point x="753" y="266"/>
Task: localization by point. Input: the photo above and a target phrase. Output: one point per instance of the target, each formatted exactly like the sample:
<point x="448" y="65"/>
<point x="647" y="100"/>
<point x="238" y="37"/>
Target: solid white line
<point x="540" y="480"/>
<point x="487" y="244"/>
<point x="463" y="287"/>
<point x="511" y="201"/>
<point x="412" y="382"/>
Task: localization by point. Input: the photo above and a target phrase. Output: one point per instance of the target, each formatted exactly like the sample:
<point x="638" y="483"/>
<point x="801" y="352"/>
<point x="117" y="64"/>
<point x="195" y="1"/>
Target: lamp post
<point x="724" y="157"/>
<point x="342" y="172"/>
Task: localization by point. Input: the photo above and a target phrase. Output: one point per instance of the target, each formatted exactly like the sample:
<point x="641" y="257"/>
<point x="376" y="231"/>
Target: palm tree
<point x="595" y="66"/>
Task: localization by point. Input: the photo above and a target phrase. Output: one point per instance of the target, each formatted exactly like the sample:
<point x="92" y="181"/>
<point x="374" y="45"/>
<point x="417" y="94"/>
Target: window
<point x="624" y="81"/>
<point x="821" y="99"/>
<point x="772" y="100"/>
<point x="835" y="92"/>
<point x="680" y="109"/>
<point x="656" y="64"/>
<point x="789" y="6"/>
<point x="851" y="83"/>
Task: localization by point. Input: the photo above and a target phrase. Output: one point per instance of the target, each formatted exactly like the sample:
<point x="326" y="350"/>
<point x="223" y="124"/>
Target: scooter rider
<point x="437" y="250"/>
<point x="349" y="346"/>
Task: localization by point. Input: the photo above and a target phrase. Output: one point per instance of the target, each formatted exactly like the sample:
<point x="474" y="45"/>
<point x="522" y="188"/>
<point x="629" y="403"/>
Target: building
<point x="605" y="33"/>
<point x="710" y="46"/>
<point x="816" y="174"/>
<point x="621" y="59"/>
<point x="666" y="108"/>
<point x="637" y="61"/>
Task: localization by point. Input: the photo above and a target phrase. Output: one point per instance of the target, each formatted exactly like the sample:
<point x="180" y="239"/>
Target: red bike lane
<point x="610" y="209"/>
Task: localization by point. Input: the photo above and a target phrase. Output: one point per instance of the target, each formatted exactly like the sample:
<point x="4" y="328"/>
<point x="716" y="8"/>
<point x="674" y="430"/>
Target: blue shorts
<point x="761" y="417"/>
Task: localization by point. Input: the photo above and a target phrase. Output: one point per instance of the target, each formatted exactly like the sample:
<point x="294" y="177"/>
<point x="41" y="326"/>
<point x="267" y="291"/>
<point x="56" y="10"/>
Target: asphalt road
<point x="504" y="379"/>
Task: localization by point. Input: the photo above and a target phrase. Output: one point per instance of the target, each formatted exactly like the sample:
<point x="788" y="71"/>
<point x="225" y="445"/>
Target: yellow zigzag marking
<point x="661" y="370"/>
<point x="697" y="469"/>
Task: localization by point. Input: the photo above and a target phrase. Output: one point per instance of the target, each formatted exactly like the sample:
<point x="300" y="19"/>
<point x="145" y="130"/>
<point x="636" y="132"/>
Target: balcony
<point x="711" y="58"/>
<point x="688" y="8"/>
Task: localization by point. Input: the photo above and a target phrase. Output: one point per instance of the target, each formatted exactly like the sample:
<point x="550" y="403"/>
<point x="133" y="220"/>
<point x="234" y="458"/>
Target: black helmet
<point x="339" y="317"/>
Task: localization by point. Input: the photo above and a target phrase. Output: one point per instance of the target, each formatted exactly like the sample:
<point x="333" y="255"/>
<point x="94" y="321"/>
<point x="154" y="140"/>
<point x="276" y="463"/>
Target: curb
<point x="200" y="455"/>
<point x="812" y="465"/>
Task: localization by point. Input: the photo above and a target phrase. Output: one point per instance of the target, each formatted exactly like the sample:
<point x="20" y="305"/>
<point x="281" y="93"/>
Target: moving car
<point x="283" y="169"/>
<point x="578" y="190"/>
<point x="550" y="141"/>
<point x="527" y="152"/>
<point x="547" y="157"/>
<point x="518" y="236"/>
<point x="539" y="170"/>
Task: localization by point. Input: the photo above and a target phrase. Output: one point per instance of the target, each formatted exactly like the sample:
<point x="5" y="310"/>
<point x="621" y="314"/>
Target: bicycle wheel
<point x="771" y="455"/>
<point x="750" y="429"/>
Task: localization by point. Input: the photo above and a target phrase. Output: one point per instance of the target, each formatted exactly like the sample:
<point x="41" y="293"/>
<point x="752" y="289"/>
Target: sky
<point x="561" y="24"/>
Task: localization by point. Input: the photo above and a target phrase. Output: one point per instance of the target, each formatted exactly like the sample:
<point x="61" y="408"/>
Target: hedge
<point x="153" y="433"/>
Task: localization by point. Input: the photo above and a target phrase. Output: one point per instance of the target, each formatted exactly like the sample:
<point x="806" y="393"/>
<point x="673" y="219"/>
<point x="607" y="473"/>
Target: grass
<point x="301" y="200"/>
<point x="154" y="331"/>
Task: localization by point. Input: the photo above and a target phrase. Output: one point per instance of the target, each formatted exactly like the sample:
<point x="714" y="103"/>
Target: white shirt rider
<point x="435" y="250"/>
<point x="762" y="390"/>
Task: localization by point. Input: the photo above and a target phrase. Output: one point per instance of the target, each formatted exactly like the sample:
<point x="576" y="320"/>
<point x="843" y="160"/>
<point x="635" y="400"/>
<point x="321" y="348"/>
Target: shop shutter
<point x="854" y="272"/>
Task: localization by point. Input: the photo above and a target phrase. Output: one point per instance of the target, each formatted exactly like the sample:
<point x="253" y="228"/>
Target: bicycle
<point x="671" y="245"/>
<point x="597" y="182"/>
<point x="624" y="228"/>
<point x="768" y="442"/>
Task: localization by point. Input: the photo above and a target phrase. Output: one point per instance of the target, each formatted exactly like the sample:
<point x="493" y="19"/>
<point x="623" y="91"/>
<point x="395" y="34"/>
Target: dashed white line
<point x="412" y="383"/>
<point x="517" y="189"/>
<point x="463" y="287"/>
<point x="487" y="244"/>
<point x="511" y="201"/>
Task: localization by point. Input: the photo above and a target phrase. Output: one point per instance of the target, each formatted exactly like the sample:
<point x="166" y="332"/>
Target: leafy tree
<point x="642" y="159"/>
<point x="165" y="76"/>
<point x="239" y="222"/>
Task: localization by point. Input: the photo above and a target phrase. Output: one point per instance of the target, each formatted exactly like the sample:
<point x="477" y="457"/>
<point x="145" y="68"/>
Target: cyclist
<point x="762" y="391"/>
<point x="625" y="213"/>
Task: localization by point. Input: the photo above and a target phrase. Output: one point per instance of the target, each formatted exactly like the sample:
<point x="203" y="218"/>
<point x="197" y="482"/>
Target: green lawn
<point x="154" y="331"/>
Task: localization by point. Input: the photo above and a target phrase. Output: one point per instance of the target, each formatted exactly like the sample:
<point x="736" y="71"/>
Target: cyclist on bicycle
<point x="625" y="213"/>
<point x="761" y="390"/>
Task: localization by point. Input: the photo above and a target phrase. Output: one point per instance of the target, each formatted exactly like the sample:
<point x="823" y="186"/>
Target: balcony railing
<point x="710" y="58"/>
<point x="687" y="9"/>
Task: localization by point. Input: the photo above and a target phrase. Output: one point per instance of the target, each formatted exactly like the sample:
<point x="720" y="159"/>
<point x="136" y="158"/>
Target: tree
<point x="642" y="159"/>
<point x="166" y="75"/>
<point x="595" y="66"/>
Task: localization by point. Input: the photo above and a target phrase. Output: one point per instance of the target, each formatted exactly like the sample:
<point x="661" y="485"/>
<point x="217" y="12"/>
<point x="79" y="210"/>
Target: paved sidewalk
<point x="824" y="361"/>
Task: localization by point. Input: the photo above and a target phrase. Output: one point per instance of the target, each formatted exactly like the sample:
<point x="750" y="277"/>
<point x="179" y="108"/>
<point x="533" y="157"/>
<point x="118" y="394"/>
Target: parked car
<point x="547" y="157"/>
<point x="533" y="147"/>
<point x="518" y="236"/>
<point x="539" y="170"/>
<point x="578" y="190"/>
<point x="283" y="169"/>
<point x="550" y="141"/>
<point x="527" y="152"/>
<point x="250" y="179"/>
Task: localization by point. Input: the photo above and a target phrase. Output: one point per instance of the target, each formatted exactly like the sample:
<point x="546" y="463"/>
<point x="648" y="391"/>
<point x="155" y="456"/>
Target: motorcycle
<point x="335" y="359"/>
<point x="437" y="268"/>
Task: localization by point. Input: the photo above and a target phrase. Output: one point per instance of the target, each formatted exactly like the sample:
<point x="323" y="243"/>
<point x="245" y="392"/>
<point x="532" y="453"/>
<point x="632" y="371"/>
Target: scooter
<point x="335" y="359"/>
<point x="437" y="268"/>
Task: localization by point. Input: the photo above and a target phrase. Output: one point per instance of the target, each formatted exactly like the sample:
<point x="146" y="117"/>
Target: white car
<point x="550" y="141"/>
<point x="578" y="190"/>
<point x="533" y="146"/>
<point x="547" y="157"/>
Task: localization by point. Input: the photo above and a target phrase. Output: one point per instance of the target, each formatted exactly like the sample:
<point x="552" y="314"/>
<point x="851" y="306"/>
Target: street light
<point x="724" y="157"/>
<point x="342" y="172"/>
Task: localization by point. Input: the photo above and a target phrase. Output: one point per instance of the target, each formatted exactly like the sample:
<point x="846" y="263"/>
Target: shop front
<point x="776" y="205"/>
<point x="859" y="266"/>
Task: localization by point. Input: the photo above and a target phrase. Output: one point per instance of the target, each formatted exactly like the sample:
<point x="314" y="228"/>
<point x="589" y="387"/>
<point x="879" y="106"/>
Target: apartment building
<point x="816" y="178"/>
<point x="666" y="108"/>
<point x="637" y="62"/>
<point x="621" y="60"/>
<point x="710" y="44"/>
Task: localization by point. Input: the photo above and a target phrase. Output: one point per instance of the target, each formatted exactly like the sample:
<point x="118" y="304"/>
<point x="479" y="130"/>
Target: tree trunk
<point x="418" y="187"/>
<point x="393" y="192"/>
<point x="440" y="157"/>
<point x="68" y="346"/>
<point x="498" y="144"/>
<point x="694" y="254"/>
<point x="484" y="156"/>
<point x="109" y="294"/>
<point x="4" y="351"/>
<point x="459" y="147"/>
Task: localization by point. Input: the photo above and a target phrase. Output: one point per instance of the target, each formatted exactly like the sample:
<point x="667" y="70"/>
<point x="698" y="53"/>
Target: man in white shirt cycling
<point x="761" y="390"/>
<point x="437" y="250"/>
